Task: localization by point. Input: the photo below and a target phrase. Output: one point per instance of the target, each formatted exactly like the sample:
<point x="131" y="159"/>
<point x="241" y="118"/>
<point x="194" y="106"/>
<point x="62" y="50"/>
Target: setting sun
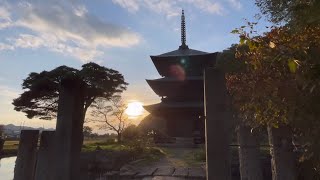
<point x="134" y="109"/>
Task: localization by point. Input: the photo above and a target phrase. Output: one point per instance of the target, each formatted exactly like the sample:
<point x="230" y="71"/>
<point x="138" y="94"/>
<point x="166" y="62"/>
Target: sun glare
<point x="134" y="109"/>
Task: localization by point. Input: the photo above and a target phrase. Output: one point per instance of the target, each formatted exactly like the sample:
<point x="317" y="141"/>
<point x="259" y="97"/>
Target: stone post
<point x="68" y="135"/>
<point x="45" y="156"/>
<point x="2" y="141"/>
<point x="27" y="155"/>
<point x="217" y="126"/>
<point x="249" y="154"/>
<point x="283" y="163"/>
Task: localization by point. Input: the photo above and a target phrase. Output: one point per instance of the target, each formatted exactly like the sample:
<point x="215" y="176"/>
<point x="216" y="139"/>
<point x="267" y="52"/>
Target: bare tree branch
<point x="111" y="112"/>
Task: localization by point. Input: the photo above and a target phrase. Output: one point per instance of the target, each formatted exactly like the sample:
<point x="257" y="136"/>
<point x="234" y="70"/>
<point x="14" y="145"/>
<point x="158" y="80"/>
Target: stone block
<point x="27" y="155"/>
<point x="45" y="156"/>
<point x="164" y="171"/>
<point x="217" y="125"/>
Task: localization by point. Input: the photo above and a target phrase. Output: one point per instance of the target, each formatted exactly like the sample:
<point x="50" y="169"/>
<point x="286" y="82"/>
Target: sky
<point x="37" y="35"/>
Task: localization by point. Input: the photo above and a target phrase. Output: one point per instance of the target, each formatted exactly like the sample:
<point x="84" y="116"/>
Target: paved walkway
<point x="159" y="173"/>
<point x="173" y="166"/>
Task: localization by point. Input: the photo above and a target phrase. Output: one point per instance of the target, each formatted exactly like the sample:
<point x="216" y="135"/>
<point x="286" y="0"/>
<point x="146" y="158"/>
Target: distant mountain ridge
<point x="11" y="129"/>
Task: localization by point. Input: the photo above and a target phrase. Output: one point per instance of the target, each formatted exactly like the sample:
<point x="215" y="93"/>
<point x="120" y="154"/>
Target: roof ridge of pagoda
<point x="183" y="32"/>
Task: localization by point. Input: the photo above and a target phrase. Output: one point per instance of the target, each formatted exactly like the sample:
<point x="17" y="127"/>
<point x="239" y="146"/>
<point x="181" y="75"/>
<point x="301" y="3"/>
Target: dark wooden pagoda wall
<point x="184" y="122"/>
<point x="181" y="89"/>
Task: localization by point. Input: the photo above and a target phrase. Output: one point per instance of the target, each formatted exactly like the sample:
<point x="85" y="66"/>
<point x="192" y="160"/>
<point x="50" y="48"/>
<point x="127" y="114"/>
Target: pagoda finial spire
<point x="183" y="32"/>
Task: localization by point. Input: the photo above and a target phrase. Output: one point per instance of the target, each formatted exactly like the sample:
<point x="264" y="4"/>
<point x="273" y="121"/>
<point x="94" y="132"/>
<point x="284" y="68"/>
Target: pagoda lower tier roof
<point x="173" y="87"/>
<point x="173" y="79"/>
<point x="173" y="106"/>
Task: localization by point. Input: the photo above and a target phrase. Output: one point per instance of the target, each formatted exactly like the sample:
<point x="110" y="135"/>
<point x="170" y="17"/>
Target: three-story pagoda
<point x="181" y="88"/>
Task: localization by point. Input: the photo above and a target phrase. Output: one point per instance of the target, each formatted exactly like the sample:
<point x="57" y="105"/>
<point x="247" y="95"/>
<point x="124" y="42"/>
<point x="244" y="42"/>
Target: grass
<point x="87" y="147"/>
<point x="149" y="154"/>
<point x="138" y="151"/>
<point x="196" y="157"/>
<point x="10" y="148"/>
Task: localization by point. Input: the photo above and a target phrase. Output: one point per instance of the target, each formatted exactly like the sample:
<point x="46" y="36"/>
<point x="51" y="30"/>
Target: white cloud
<point x="207" y="6"/>
<point x="53" y="44"/>
<point x="170" y="7"/>
<point x="66" y="28"/>
<point x="166" y="7"/>
<point x="235" y="4"/>
<point x="80" y="10"/>
<point x="28" y="41"/>
<point x="5" y="20"/>
<point x="4" y="46"/>
<point x="8" y="92"/>
<point x="130" y="5"/>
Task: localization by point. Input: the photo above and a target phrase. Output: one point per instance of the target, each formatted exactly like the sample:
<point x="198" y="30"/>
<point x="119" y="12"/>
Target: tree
<point x="131" y="132"/>
<point x="291" y="11"/>
<point x="40" y="98"/>
<point x="87" y="131"/>
<point x="281" y="78"/>
<point x="280" y="83"/>
<point x="111" y="112"/>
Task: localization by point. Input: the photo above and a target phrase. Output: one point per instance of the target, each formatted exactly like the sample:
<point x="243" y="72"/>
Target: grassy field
<point x="11" y="148"/>
<point x="149" y="154"/>
<point x="12" y="145"/>
<point x="91" y="146"/>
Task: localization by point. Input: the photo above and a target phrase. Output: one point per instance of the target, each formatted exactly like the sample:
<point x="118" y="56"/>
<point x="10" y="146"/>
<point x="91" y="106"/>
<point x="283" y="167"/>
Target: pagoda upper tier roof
<point x="183" y="52"/>
<point x="191" y="86"/>
<point x="185" y="62"/>
<point x="173" y="106"/>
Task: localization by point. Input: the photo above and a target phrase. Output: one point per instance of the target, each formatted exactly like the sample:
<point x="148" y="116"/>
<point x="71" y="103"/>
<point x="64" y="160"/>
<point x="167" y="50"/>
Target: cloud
<point x="67" y="28"/>
<point x="28" y="41"/>
<point x="235" y="4"/>
<point x="207" y="6"/>
<point x="53" y="44"/>
<point x="4" y="46"/>
<point x="166" y="7"/>
<point x="80" y="10"/>
<point x="5" y="20"/>
<point x="170" y="8"/>
<point x="8" y="92"/>
<point x="130" y="5"/>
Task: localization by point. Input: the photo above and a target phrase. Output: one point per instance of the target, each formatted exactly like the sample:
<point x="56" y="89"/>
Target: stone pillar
<point x="249" y="154"/>
<point x="27" y="155"/>
<point x="1" y="145"/>
<point x="283" y="163"/>
<point x="68" y="135"/>
<point x="45" y="156"/>
<point x="217" y="126"/>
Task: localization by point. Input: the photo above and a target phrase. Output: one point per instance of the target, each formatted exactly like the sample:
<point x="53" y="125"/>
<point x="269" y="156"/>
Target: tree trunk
<point x="283" y="162"/>
<point x="249" y="154"/>
<point x="119" y="138"/>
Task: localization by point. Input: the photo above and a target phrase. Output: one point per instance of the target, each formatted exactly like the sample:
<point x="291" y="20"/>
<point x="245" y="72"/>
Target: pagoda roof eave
<point x="173" y="79"/>
<point x="182" y="52"/>
<point x="169" y="86"/>
<point x="163" y="63"/>
<point x="174" y="105"/>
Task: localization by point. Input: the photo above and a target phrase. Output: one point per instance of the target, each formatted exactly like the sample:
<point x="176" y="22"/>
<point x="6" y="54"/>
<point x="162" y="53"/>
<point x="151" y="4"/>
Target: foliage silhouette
<point x="40" y="98"/>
